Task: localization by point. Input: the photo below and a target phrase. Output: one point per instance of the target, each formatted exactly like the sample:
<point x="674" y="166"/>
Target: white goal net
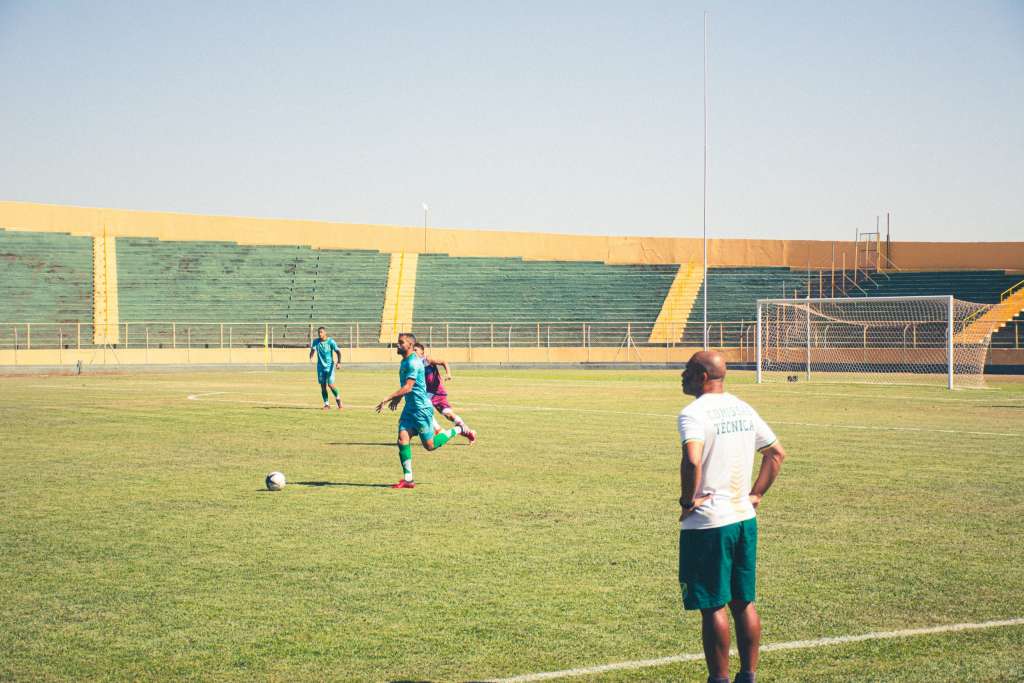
<point x="889" y="340"/>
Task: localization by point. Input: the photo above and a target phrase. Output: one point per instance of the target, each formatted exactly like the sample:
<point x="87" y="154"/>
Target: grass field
<point x="138" y="542"/>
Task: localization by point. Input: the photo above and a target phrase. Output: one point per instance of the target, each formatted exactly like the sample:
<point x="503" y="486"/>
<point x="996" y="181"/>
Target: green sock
<point x="405" y="455"/>
<point x="334" y="390"/>
<point x="323" y="391"/>
<point x="442" y="438"/>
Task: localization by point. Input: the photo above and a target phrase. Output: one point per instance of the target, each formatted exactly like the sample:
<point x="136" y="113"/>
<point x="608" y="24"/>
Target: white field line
<point x="780" y="422"/>
<point x="509" y="407"/>
<point x="874" y="428"/>
<point x="161" y="383"/>
<point x="196" y="397"/>
<point x="312" y="405"/>
<point x="774" y="647"/>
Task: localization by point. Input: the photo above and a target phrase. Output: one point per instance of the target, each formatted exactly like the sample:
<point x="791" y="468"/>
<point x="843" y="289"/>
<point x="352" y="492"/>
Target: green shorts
<point x="717" y="566"/>
<point x="421" y="424"/>
<point x="325" y="375"/>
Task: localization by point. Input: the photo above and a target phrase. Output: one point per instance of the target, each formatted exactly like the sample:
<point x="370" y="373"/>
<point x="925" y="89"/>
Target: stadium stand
<point x="552" y="293"/>
<point x="980" y="286"/>
<point x="215" y="282"/>
<point x="45" y="278"/>
<point x="732" y="300"/>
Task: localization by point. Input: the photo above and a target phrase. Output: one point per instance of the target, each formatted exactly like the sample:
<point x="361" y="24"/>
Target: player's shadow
<point x="342" y="483"/>
<point x="285" y="408"/>
<point x="389" y="444"/>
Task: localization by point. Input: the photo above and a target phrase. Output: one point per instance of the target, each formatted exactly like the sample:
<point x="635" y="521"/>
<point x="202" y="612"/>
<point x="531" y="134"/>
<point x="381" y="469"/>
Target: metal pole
<point x="707" y="116"/>
<point x="949" y="344"/>
<point x="833" y="269"/>
<point x="808" y="340"/>
<point x="758" y="342"/>
<point x="28" y="336"/>
<point x="843" y="280"/>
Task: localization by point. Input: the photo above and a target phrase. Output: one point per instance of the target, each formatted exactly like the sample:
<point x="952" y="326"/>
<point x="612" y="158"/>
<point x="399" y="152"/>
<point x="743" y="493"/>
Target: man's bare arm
<point x="393" y="398"/>
<point x="689" y="476"/>
<point x="437" y="362"/>
<point x="771" y="463"/>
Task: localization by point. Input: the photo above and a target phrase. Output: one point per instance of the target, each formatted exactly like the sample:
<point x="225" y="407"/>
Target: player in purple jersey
<point x="438" y="394"/>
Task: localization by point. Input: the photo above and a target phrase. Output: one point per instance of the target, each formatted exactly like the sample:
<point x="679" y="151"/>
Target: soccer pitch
<point x="139" y="542"/>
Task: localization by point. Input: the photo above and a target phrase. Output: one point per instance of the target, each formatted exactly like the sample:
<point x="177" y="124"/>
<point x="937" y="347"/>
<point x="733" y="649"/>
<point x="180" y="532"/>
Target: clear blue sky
<point x="529" y="115"/>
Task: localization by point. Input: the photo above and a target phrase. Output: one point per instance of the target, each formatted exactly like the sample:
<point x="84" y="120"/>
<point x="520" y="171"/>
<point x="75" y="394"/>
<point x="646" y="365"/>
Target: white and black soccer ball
<point x="275" y="481"/>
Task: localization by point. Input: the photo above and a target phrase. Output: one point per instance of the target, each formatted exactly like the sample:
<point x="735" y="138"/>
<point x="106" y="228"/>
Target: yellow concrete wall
<point x="113" y="359"/>
<point x="541" y="246"/>
<point x="399" y="296"/>
<point x="675" y="310"/>
<point x="105" y="315"/>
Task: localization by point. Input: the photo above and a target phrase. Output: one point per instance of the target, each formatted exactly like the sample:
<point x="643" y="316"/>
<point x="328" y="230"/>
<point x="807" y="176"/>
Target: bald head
<point x="704" y="373"/>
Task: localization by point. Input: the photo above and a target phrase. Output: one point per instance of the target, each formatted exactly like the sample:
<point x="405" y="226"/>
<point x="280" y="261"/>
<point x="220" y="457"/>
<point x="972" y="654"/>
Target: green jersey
<point x="324" y="352"/>
<point x="417" y="402"/>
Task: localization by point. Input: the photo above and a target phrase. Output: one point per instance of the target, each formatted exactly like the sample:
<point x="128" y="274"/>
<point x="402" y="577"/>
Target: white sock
<point x="408" y="475"/>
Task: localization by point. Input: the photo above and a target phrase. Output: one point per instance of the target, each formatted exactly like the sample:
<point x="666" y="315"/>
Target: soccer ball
<point x="275" y="481"/>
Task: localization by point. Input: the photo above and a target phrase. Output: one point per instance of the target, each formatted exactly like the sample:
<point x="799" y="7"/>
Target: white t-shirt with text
<point x="732" y="433"/>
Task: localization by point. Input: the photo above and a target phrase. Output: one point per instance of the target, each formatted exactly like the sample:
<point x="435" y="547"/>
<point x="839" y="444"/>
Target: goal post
<point x="885" y="339"/>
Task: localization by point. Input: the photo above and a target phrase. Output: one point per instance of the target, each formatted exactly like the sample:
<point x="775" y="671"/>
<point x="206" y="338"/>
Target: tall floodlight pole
<point x="707" y="114"/>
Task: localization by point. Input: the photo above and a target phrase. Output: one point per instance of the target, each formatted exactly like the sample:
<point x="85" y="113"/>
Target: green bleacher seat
<point x="197" y="284"/>
<point x="511" y="290"/>
<point x="45" y="278"/>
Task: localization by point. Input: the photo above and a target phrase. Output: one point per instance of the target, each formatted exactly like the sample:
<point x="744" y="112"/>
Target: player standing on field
<point x="418" y="414"/>
<point x="718" y="527"/>
<point x="325" y="348"/>
<point x="437" y="393"/>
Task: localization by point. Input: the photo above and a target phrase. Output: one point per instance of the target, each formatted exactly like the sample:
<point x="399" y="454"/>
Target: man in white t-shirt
<point x="718" y="528"/>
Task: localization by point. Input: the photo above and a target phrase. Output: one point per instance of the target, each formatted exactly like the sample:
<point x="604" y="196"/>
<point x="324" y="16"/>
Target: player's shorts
<point x="717" y="566"/>
<point x="440" y="402"/>
<point x="325" y="375"/>
<point x="423" y="425"/>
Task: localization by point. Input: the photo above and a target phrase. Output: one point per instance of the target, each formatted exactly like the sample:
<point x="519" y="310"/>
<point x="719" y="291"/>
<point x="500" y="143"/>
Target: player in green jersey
<point x="418" y="414"/>
<point x="325" y="348"/>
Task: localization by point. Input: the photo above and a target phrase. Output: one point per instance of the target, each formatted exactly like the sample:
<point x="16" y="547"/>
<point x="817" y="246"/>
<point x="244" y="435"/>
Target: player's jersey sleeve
<point x="312" y="344"/>
<point x="691" y="427"/>
<point x="334" y="345"/>
<point x="763" y="434"/>
<point x="407" y="370"/>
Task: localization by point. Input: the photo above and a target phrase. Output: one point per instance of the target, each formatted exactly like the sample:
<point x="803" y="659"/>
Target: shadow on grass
<point x="286" y="408"/>
<point x="390" y="444"/>
<point x="340" y="483"/>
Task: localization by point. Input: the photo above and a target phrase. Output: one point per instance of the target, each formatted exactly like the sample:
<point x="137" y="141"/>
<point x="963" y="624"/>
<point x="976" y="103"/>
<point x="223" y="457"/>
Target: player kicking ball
<point x="325" y="348"/>
<point x="437" y="393"/>
<point x="418" y="414"/>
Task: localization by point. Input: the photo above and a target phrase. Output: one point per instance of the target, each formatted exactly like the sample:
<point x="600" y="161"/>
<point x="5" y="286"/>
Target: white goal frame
<point x="946" y="302"/>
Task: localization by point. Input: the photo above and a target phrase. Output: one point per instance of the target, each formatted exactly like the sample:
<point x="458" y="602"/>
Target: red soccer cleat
<point x="326" y="407"/>
<point x="470" y="434"/>
<point x="404" y="485"/>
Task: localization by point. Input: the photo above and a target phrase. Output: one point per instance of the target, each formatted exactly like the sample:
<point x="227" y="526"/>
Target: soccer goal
<point x="886" y="340"/>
